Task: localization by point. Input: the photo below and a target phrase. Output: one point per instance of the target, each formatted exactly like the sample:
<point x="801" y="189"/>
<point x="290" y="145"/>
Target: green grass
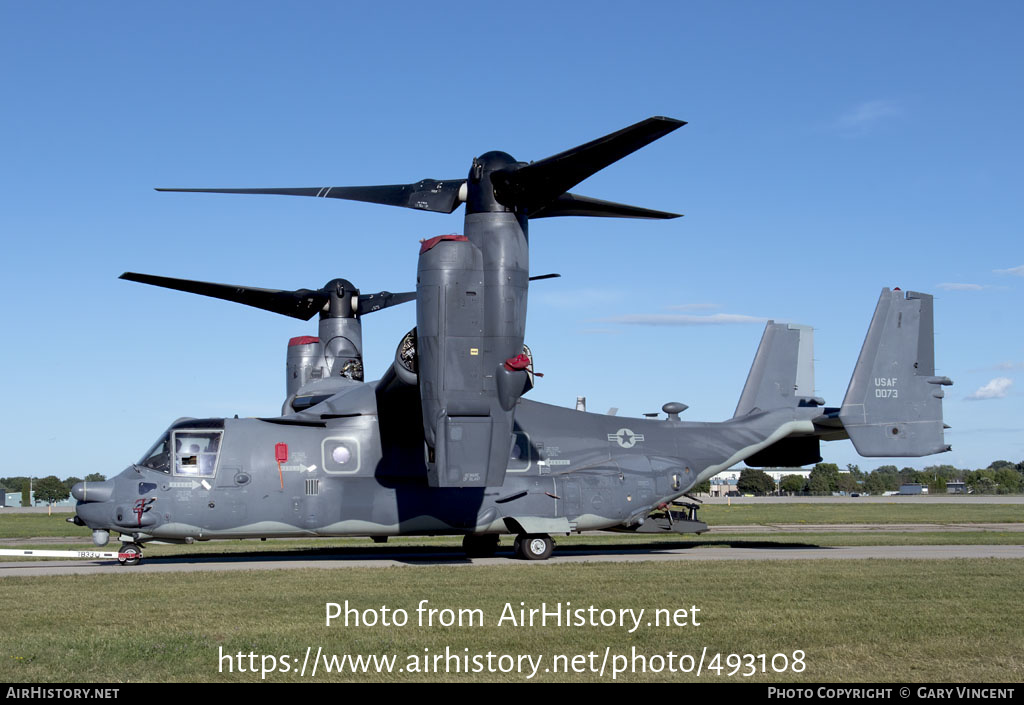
<point x="29" y="524"/>
<point x="867" y="513"/>
<point x="878" y="621"/>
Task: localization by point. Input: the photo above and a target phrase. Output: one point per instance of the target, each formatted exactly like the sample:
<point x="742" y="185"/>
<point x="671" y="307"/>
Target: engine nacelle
<point x="337" y="352"/>
<point x="305" y="362"/>
<point x="469" y="321"/>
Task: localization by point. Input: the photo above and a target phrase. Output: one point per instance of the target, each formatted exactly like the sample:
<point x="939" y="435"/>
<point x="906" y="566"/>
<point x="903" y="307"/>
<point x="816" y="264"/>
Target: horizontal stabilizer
<point x="893" y="406"/>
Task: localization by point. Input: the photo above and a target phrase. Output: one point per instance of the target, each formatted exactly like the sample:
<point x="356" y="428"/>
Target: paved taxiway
<point x="434" y="557"/>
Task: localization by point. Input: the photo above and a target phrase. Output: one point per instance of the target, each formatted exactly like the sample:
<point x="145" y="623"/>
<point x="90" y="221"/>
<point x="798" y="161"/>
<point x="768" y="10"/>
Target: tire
<point x="534" y="547"/>
<point x="132" y="549"/>
<point x="480" y="545"/>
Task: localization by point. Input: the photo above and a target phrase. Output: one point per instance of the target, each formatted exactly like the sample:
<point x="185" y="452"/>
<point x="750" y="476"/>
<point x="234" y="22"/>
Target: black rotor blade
<point x="368" y="303"/>
<point x="571" y="204"/>
<point x="544" y="276"/>
<point x="426" y="195"/>
<point x="302" y="303"/>
<point x="540" y="182"/>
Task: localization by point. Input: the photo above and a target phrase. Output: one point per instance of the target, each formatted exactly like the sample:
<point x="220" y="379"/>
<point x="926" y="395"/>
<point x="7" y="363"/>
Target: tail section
<point x="893" y="406"/>
<point x="782" y="374"/>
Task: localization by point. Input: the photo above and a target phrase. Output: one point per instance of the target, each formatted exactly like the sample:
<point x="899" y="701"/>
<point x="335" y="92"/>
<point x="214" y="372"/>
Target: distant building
<point x="723" y="488"/>
<point x="913" y="488"/>
<point x="956" y="488"/>
<point x="14" y="500"/>
<point x="725" y="482"/>
<point x="778" y="473"/>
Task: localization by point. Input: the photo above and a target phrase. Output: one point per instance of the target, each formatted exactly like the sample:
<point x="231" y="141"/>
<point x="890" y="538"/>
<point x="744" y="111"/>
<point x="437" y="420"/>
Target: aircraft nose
<point x="93" y="491"/>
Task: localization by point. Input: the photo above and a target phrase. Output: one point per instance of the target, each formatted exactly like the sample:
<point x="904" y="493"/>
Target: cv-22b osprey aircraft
<point x="445" y="443"/>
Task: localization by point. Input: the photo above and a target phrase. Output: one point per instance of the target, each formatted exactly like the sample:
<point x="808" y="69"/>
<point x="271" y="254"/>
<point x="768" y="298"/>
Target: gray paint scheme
<point x="468" y="379"/>
<point x="444" y="442"/>
<point x="774" y="379"/>
<point x="574" y="471"/>
<point x="893" y="406"/>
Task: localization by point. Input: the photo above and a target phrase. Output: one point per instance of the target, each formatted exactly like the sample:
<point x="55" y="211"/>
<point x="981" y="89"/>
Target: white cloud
<point x="996" y="389"/>
<point x="679" y="319"/>
<point x="950" y="286"/>
<point x="867" y="114"/>
<point x="694" y="307"/>
<point x="1015" y="271"/>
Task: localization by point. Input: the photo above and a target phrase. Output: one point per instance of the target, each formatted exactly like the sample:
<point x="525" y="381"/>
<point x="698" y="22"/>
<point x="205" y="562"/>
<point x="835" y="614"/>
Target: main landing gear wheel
<point x="534" y="547"/>
<point x="134" y="552"/>
<point x="480" y="545"/>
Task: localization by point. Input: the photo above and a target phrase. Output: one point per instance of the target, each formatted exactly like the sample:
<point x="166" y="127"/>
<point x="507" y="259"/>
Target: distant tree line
<point x="1000" y="477"/>
<point x="46" y="490"/>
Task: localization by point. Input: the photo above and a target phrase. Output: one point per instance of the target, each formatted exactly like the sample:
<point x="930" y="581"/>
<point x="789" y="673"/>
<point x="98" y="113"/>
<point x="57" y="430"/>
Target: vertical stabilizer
<point x="783" y="370"/>
<point x="893" y="406"/>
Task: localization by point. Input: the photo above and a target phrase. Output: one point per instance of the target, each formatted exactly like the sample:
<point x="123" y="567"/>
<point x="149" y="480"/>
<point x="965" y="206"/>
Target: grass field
<point x="18" y="525"/>
<point x="846" y="513"/>
<point x="881" y="621"/>
<point x="891" y="621"/>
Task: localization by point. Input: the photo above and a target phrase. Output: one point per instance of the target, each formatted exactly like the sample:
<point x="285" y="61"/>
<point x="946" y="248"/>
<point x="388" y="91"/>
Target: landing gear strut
<point x="480" y="545"/>
<point x="132" y="554"/>
<point x="534" y="547"/>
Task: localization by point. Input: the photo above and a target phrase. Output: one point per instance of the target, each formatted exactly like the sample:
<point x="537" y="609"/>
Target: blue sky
<point x="833" y="149"/>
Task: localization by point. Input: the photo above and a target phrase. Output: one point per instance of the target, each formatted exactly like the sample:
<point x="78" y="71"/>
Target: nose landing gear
<point x="130" y="554"/>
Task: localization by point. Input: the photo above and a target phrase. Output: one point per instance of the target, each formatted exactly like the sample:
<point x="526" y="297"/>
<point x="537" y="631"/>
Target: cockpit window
<point x="159" y="456"/>
<point x="195" y="452"/>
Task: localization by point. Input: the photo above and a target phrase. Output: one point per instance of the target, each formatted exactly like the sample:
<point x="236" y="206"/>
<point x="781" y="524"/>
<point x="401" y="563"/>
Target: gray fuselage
<point x="568" y="471"/>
